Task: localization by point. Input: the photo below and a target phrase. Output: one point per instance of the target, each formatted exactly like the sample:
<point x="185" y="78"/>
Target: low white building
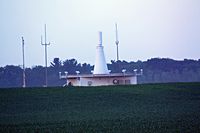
<point x="101" y="75"/>
<point x="101" y="80"/>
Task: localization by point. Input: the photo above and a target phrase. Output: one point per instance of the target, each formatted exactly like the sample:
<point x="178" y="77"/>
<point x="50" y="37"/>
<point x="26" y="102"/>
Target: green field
<point x="114" y="109"/>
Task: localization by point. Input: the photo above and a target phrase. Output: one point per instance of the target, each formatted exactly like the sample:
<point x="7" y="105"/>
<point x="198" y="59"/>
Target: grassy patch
<point x="138" y="108"/>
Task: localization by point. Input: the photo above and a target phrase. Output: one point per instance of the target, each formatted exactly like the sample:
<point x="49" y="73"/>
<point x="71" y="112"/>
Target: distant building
<point x="101" y="76"/>
<point x="101" y="80"/>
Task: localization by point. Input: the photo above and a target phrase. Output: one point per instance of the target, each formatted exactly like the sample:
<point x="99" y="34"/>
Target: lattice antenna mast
<point x="117" y="41"/>
<point x="45" y="45"/>
<point x="23" y="57"/>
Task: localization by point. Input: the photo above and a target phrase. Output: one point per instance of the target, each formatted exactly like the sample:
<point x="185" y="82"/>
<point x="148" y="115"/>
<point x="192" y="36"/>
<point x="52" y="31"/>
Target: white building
<point x="101" y="75"/>
<point x="101" y="80"/>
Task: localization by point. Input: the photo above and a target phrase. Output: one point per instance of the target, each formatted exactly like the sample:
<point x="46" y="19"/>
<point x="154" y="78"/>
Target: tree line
<point x="155" y="70"/>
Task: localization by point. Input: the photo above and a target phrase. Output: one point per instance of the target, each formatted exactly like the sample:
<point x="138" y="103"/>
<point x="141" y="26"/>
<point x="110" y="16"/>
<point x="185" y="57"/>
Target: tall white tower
<point x="100" y="61"/>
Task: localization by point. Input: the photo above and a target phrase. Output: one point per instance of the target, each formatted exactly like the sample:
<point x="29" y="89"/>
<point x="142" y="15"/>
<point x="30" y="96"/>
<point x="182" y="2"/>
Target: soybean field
<point x="147" y="108"/>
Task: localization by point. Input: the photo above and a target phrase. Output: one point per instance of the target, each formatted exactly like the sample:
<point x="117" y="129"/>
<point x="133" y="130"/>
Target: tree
<point x="56" y="63"/>
<point x="11" y="76"/>
<point x="155" y="70"/>
<point x="70" y="66"/>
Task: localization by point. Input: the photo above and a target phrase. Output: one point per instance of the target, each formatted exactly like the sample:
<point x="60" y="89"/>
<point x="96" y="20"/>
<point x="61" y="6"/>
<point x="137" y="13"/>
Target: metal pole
<point x="45" y="57"/>
<point x="117" y="41"/>
<point x="45" y="44"/>
<point x="24" y="76"/>
<point x="117" y="53"/>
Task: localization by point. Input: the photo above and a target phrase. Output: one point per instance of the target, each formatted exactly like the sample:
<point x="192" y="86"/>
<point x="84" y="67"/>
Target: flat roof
<point x="100" y="75"/>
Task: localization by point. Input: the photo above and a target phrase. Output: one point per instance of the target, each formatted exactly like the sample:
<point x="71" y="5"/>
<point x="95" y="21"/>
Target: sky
<point x="147" y="29"/>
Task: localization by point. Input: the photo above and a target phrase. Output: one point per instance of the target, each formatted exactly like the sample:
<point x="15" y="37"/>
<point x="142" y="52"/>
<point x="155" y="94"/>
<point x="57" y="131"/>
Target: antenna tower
<point x="45" y="48"/>
<point x="117" y="41"/>
<point x="24" y="76"/>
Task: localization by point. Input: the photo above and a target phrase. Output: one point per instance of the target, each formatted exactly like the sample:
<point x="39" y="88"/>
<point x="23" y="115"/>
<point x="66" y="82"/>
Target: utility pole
<point x="24" y="76"/>
<point x="117" y="41"/>
<point x="45" y="48"/>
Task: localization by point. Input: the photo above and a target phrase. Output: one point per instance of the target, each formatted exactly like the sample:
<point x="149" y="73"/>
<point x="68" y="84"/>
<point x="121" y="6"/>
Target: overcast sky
<point x="147" y="29"/>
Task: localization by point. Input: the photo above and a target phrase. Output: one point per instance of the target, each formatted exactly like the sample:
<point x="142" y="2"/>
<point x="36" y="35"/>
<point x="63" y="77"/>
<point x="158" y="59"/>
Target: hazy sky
<point x="147" y="29"/>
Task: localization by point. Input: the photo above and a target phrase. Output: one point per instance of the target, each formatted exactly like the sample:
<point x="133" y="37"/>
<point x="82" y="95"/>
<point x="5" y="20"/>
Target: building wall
<point x="82" y="81"/>
<point x="74" y="82"/>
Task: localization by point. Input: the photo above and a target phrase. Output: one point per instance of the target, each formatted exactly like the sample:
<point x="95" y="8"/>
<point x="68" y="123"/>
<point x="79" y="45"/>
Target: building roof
<point x="100" y="75"/>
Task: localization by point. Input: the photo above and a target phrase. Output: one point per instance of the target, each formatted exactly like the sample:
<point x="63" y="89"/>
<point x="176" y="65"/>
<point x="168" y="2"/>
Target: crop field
<point x="148" y="108"/>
